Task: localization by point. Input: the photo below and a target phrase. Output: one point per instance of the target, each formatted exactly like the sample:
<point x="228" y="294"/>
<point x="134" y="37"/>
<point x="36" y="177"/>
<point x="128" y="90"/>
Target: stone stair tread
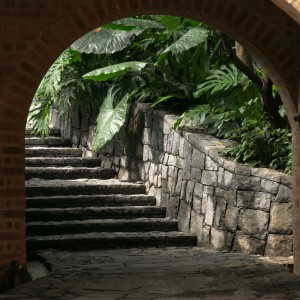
<point x="96" y="240"/>
<point x="102" y="221"/>
<point x="106" y="225"/>
<point x="69" y="172"/>
<point x="66" y="161"/>
<point x="82" y="213"/>
<point x="41" y="151"/>
<point x="52" y="131"/>
<point x="50" y="140"/>
<point x="87" y="200"/>
<point x="79" y="182"/>
<point x="96" y="235"/>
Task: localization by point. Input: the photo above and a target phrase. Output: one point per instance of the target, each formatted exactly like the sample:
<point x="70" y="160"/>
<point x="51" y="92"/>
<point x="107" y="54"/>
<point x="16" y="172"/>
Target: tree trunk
<point x="242" y="59"/>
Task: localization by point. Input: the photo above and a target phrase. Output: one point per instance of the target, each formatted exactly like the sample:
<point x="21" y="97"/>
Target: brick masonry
<point x="34" y="32"/>
<point x="229" y="206"/>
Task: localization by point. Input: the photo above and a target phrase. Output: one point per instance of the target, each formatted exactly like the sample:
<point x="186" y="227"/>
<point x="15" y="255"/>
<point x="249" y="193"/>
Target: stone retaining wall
<point x="229" y="206"/>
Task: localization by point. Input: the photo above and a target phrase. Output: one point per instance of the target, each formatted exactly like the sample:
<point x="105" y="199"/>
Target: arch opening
<point x="262" y="27"/>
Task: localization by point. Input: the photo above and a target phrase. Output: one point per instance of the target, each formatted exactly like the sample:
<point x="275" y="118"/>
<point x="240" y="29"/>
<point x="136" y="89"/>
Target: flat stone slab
<point x="160" y="273"/>
<point x="40" y="187"/>
<point x="62" y="161"/>
<point x="90" y="200"/>
<point x="52" y="152"/>
<point x="102" y="240"/>
<point x="68" y="172"/>
<point x="82" y="213"/>
<point x="52" y="131"/>
<point x="96" y="225"/>
<point x="50" y="141"/>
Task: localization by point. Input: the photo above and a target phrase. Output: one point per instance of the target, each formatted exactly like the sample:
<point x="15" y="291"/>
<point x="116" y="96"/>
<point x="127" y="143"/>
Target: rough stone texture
<point x="227" y="205"/>
<point x="218" y="238"/>
<point x="281" y="218"/>
<point x="279" y="245"/>
<point x="184" y="216"/>
<point x="253" y="222"/>
<point x="248" y="245"/>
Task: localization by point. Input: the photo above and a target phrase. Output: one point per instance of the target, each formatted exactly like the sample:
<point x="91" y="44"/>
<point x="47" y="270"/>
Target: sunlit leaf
<point x="104" y="41"/>
<point x="191" y="39"/>
<point x="113" y="71"/>
<point x="109" y="120"/>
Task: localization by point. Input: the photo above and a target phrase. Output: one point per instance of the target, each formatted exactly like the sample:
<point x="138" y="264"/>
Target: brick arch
<point x="35" y="32"/>
<point x="291" y="7"/>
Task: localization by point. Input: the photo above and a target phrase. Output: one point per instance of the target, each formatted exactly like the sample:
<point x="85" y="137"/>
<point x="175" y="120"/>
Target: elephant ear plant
<point x="168" y="61"/>
<point x="140" y="75"/>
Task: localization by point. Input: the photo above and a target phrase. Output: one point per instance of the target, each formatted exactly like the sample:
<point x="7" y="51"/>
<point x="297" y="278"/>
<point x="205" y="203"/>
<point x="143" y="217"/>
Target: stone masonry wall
<point x="229" y="206"/>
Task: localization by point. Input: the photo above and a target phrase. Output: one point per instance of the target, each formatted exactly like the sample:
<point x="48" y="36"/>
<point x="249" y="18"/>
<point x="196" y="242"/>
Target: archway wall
<point x="35" y="32"/>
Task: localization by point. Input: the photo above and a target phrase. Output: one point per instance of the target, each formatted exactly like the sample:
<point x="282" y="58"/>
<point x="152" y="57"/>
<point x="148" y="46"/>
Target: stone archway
<point x="35" y="32"/>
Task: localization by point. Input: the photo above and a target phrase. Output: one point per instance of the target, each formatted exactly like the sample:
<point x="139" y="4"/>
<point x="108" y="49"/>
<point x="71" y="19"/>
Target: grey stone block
<point x="184" y="216"/>
<point x="254" y="222"/>
<point x="210" y="209"/>
<point x="254" y="200"/>
<point x="269" y="186"/>
<point x="189" y="191"/>
<point x="209" y="190"/>
<point x="183" y="189"/>
<point x="175" y="144"/>
<point x="83" y="139"/>
<point x="281" y="218"/>
<point x="248" y="245"/>
<point x="218" y="238"/>
<point x="196" y="174"/>
<point x="198" y="159"/>
<point x="279" y="245"/>
<point x="210" y="164"/>
<point x="209" y="178"/>
<point x="196" y="226"/>
<point x="186" y="171"/>
<point x="220" y="211"/>
<point x="92" y="131"/>
<point x="230" y="221"/>
<point x="284" y="194"/>
<point x="146" y="138"/>
<point x="76" y="136"/>
<point x="172" y="160"/>
<point x="76" y="118"/>
<point x="205" y="239"/>
<point x="85" y="124"/>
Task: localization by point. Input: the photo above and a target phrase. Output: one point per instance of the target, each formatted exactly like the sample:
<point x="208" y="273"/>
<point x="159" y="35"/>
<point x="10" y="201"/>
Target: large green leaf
<point x="191" y="39"/>
<point x="104" y="41"/>
<point x="109" y="120"/>
<point x="172" y="23"/>
<point x="220" y="81"/>
<point x="140" y="23"/>
<point x="109" y="72"/>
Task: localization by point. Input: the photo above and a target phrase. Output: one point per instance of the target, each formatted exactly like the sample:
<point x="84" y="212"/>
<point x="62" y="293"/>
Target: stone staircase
<point x="72" y="203"/>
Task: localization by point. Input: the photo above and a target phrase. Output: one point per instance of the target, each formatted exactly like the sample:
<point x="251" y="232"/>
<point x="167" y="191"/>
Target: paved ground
<point x="166" y="273"/>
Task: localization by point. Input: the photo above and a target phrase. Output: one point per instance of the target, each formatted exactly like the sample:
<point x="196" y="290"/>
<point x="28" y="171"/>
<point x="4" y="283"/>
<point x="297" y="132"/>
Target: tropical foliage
<point x="178" y="63"/>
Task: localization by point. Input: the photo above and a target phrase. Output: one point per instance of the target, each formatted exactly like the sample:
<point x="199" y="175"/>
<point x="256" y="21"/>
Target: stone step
<point x="84" y="213"/>
<point x="48" y="141"/>
<point x="111" y="240"/>
<point x="68" y="173"/>
<point x="62" y="161"/>
<point x="60" y="187"/>
<point x="108" y="225"/>
<point x="52" y="152"/>
<point x="90" y="200"/>
<point x="52" y="131"/>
